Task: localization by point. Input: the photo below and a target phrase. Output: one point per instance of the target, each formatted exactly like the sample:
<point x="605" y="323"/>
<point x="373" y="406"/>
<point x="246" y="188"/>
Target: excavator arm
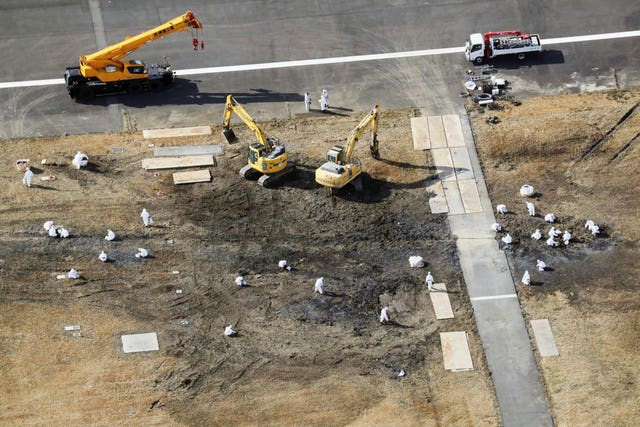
<point x="109" y="59"/>
<point x="232" y="106"/>
<point x="370" y="119"/>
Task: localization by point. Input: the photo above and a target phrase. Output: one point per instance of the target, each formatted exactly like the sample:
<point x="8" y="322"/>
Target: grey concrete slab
<point x="455" y="351"/>
<point x="544" y="338"/>
<point x="485" y="268"/>
<point x="443" y="164"/>
<point x="469" y="195"/>
<point x="473" y="226"/>
<point x="135" y="343"/>
<point x="519" y="391"/>
<point x="188" y="150"/>
<point x="461" y="163"/>
<point x="454" y="200"/>
<point x="453" y="130"/>
<point x="436" y="132"/>
<point x="437" y="203"/>
<point x="420" y="133"/>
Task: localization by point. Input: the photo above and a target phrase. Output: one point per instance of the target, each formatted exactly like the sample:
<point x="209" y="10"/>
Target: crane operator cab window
<point x="110" y="69"/>
<point x="136" y="69"/>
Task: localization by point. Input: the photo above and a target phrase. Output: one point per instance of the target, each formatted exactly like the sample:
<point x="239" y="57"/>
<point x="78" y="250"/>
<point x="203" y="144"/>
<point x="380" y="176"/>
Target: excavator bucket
<point x="229" y="135"/>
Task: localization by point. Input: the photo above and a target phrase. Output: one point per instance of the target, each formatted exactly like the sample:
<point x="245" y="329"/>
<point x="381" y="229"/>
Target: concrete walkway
<point x="497" y="311"/>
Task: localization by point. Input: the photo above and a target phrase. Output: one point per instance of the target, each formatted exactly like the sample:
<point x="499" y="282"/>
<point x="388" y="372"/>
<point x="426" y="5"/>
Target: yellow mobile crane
<point x="266" y="157"/>
<point x="104" y="71"/>
<point x="341" y="167"/>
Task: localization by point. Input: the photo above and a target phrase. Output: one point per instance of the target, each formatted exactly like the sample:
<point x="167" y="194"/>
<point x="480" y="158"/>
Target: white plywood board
<point x="454" y="200"/>
<point x="437" y="203"/>
<point x="436" y="132"/>
<point x="188" y="150"/>
<point x="135" y="343"/>
<point x="544" y="338"/>
<point x="177" y="162"/>
<point x="470" y="196"/>
<point x="461" y="162"/>
<point x="420" y="133"/>
<point x="455" y="351"/>
<point x="443" y="164"/>
<point x="440" y="301"/>
<point x="192" y="177"/>
<point x="453" y="130"/>
<point x="176" y="132"/>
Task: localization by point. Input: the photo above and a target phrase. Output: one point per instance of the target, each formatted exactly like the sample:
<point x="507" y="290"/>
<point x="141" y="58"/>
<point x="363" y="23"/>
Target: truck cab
<point x="474" y="48"/>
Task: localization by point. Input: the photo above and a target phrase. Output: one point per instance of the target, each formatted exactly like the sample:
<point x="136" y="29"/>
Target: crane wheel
<point x="134" y="88"/>
<point x="478" y="60"/>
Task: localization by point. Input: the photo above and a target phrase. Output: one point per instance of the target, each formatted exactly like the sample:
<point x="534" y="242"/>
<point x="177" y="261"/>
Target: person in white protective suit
<point x="142" y="253"/>
<point x="63" y="232"/>
<point x="73" y="274"/>
<point x="284" y="265"/>
<point x="80" y="160"/>
<point x="53" y="232"/>
<point x="553" y="232"/>
<point x="325" y="96"/>
<point x="429" y="280"/>
<point x="541" y="265"/>
<point x="240" y="281"/>
<point x="536" y="235"/>
<point x="550" y="217"/>
<point x="319" y="286"/>
<point x="589" y="224"/>
<point x="526" y="278"/>
<point x="507" y="239"/>
<point x="502" y="209"/>
<point x="103" y="256"/>
<point x="531" y="208"/>
<point x="595" y="230"/>
<point x="110" y="235"/>
<point x="47" y="225"/>
<point x="551" y="242"/>
<point x="384" y="315"/>
<point x="496" y="227"/>
<point x="566" y="237"/>
<point x="228" y="331"/>
<point x="28" y="176"/>
<point x="146" y="218"/>
<point x="307" y="101"/>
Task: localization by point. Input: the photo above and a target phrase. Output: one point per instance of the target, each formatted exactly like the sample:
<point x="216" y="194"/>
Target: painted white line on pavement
<point x="590" y="38"/>
<point x="337" y="60"/>
<point x="320" y="61"/>
<point x="494" y="297"/>
<point x="28" y="83"/>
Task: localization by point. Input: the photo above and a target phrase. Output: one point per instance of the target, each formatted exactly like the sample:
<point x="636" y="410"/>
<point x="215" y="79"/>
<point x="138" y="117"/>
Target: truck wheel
<point x="478" y="60"/>
<point x="521" y="56"/>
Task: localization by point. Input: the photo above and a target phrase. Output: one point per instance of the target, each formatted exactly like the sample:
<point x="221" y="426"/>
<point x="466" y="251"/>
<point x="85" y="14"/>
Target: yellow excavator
<point x="105" y="71"/>
<point x="267" y="159"/>
<point x="342" y="167"/>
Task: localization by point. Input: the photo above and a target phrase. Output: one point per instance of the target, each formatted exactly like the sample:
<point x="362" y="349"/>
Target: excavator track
<point x="271" y="180"/>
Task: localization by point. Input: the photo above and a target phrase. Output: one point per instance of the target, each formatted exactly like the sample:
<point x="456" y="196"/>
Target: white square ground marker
<point x="140" y="342"/>
<point x="455" y="351"/>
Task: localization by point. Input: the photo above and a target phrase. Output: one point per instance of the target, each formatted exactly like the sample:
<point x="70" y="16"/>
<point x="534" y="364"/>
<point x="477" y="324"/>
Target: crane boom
<point x="92" y="65"/>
